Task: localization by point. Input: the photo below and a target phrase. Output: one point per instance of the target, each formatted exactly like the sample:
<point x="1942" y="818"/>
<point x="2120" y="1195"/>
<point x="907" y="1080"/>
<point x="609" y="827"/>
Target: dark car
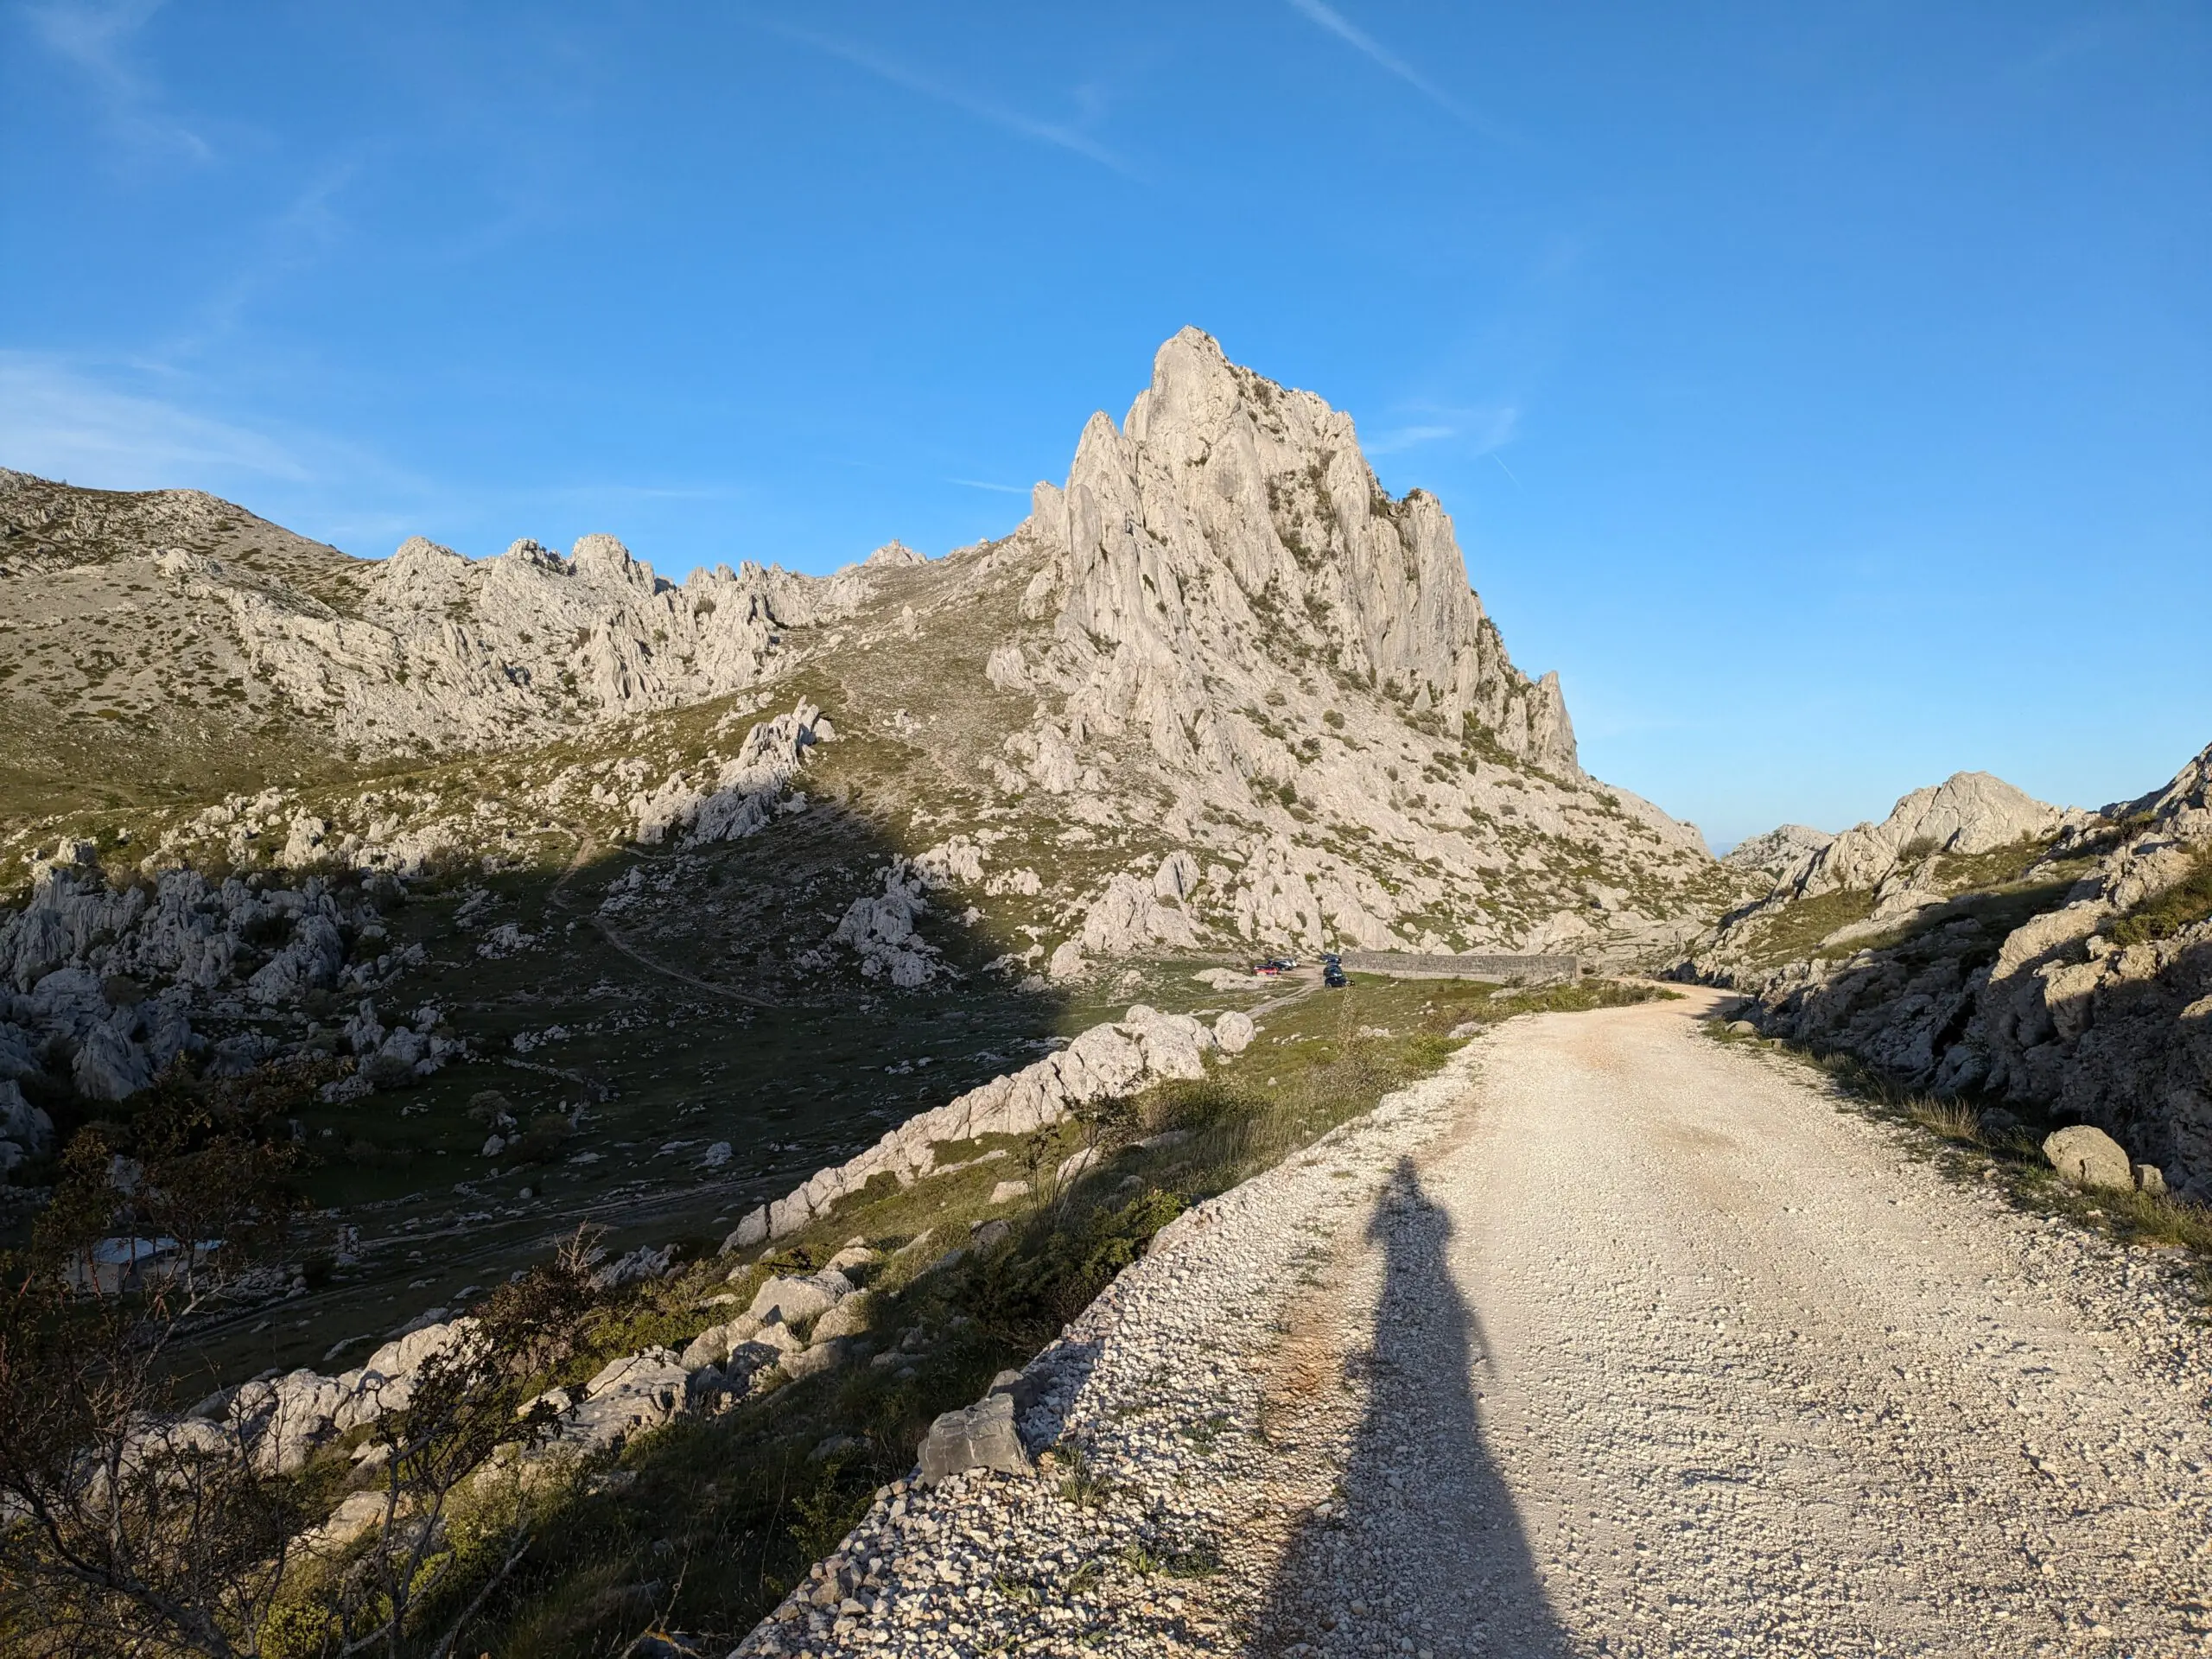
<point x="1333" y="973"/>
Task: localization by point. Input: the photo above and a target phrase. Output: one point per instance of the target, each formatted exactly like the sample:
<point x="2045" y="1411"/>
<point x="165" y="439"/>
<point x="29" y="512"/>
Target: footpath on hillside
<point x="1609" y="1339"/>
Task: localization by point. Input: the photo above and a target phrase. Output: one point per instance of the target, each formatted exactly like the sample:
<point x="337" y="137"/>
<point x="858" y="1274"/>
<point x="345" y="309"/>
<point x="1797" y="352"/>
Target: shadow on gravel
<point x="1423" y="1545"/>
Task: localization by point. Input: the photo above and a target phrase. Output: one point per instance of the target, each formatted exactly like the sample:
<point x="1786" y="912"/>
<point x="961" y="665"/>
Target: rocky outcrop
<point x="1227" y="513"/>
<point x="1232" y="634"/>
<point x="1143" y="1047"/>
<point x="745" y="793"/>
<point x="1781" y="855"/>
<point x="1904" y="864"/>
<point x="881" y="929"/>
<point x="280" y="1422"/>
<point x="103" y="983"/>
<point x="1968" y="812"/>
<point x="2082" y="985"/>
<point x="424" y="647"/>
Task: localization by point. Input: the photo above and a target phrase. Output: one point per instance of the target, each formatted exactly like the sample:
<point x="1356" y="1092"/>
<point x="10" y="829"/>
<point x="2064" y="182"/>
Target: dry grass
<point x="1948" y="1120"/>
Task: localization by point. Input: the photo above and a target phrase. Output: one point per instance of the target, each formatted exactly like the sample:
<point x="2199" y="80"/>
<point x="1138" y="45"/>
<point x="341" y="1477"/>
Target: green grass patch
<point x="2185" y="904"/>
<point x="1796" y="932"/>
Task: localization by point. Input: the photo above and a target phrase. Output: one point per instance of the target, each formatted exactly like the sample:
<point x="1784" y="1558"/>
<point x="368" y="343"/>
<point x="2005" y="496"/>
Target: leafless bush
<point x="132" y="1525"/>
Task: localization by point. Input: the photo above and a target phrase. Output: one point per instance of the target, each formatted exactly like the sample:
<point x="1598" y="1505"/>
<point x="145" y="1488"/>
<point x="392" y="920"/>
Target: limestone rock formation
<point x="1228" y="514"/>
<point x="1218" y="648"/>
<point x="1115" y="1058"/>
<point x="2067" y="967"/>
<point x="1967" y="813"/>
<point x="423" y="649"/>
<point x="1781" y="855"/>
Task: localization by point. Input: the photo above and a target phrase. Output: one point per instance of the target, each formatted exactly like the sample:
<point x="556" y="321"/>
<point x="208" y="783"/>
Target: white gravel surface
<point x="1606" y="1341"/>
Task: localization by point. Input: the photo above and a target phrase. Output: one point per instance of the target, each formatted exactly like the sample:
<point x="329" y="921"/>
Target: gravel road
<point x="1609" y="1340"/>
<point x="1676" y="1358"/>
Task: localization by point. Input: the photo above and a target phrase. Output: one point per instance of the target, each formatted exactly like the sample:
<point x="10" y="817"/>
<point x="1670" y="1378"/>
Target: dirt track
<point x="1672" y="1357"/>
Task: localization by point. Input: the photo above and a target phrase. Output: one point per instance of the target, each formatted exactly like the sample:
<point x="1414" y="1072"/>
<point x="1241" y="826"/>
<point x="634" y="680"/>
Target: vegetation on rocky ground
<point x="701" y="1525"/>
<point x="1987" y="1142"/>
<point x="2186" y="904"/>
<point x="706" y="1525"/>
<point x="1998" y="891"/>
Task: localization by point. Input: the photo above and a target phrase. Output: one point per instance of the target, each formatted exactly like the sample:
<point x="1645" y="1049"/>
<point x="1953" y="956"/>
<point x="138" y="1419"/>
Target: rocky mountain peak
<point x="1250" y="689"/>
<point x="1232" y="529"/>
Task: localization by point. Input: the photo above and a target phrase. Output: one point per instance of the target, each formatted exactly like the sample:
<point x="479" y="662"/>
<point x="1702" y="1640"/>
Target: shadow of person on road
<point x="1422" y="1544"/>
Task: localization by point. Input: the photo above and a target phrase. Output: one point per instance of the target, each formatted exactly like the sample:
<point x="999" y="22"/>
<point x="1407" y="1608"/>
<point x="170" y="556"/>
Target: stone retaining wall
<point x="1402" y="964"/>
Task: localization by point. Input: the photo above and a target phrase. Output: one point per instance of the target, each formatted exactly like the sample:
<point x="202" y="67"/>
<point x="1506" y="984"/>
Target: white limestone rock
<point x="1968" y="812"/>
<point x="1233" y="1032"/>
<point x="2052" y="1012"/>
<point x="1780" y="855"/>
<point x="881" y="929"/>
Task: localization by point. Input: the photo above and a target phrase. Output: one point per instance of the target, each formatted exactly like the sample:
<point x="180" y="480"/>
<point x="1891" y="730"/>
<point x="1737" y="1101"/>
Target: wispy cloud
<point x="95" y="40"/>
<point x="59" y="422"/>
<point x="1479" y="431"/>
<point x="978" y="484"/>
<point x="1324" y="16"/>
<point x="1406" y="438"/>
<point x="913" y="80"/>
<point x="296" y="237"/>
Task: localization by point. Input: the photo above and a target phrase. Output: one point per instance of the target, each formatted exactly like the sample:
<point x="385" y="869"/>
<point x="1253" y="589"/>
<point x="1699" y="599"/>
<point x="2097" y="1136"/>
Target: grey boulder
<point x="793" y="1299"/>
<point x="2089" y="1158"/>
<point x="981" y="1436"/>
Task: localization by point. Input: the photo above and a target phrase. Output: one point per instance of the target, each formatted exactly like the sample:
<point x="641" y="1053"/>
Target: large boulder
<point x="981" y="1436"/>
<point x="791" y="1299"/>
<point x="1233" y="1032"/>
<point x="2089" y="1158"/>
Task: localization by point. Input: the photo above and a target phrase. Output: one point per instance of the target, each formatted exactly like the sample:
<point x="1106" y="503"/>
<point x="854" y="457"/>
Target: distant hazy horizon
<point x="1827" y="394"/>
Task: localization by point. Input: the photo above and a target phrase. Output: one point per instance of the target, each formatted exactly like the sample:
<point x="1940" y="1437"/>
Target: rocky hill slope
<point x="1980" y="943"/>
<point x="552" y="863"/>
<point x="1221" y="641"/>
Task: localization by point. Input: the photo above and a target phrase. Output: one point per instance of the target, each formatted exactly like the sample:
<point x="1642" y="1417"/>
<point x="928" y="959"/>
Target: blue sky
<point x="1825" y="390"/>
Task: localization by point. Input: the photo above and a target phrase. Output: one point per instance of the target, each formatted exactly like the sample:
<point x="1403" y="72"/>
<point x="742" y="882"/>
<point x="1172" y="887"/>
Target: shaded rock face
<point x="77" y="960"/>
<point x="2022" y="992"/>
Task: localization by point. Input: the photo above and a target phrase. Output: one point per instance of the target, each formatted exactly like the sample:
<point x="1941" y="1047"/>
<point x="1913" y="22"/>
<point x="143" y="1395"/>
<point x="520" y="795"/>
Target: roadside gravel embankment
<point x="1161" y="1504"/>
<point x="1607" y="1340"/>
